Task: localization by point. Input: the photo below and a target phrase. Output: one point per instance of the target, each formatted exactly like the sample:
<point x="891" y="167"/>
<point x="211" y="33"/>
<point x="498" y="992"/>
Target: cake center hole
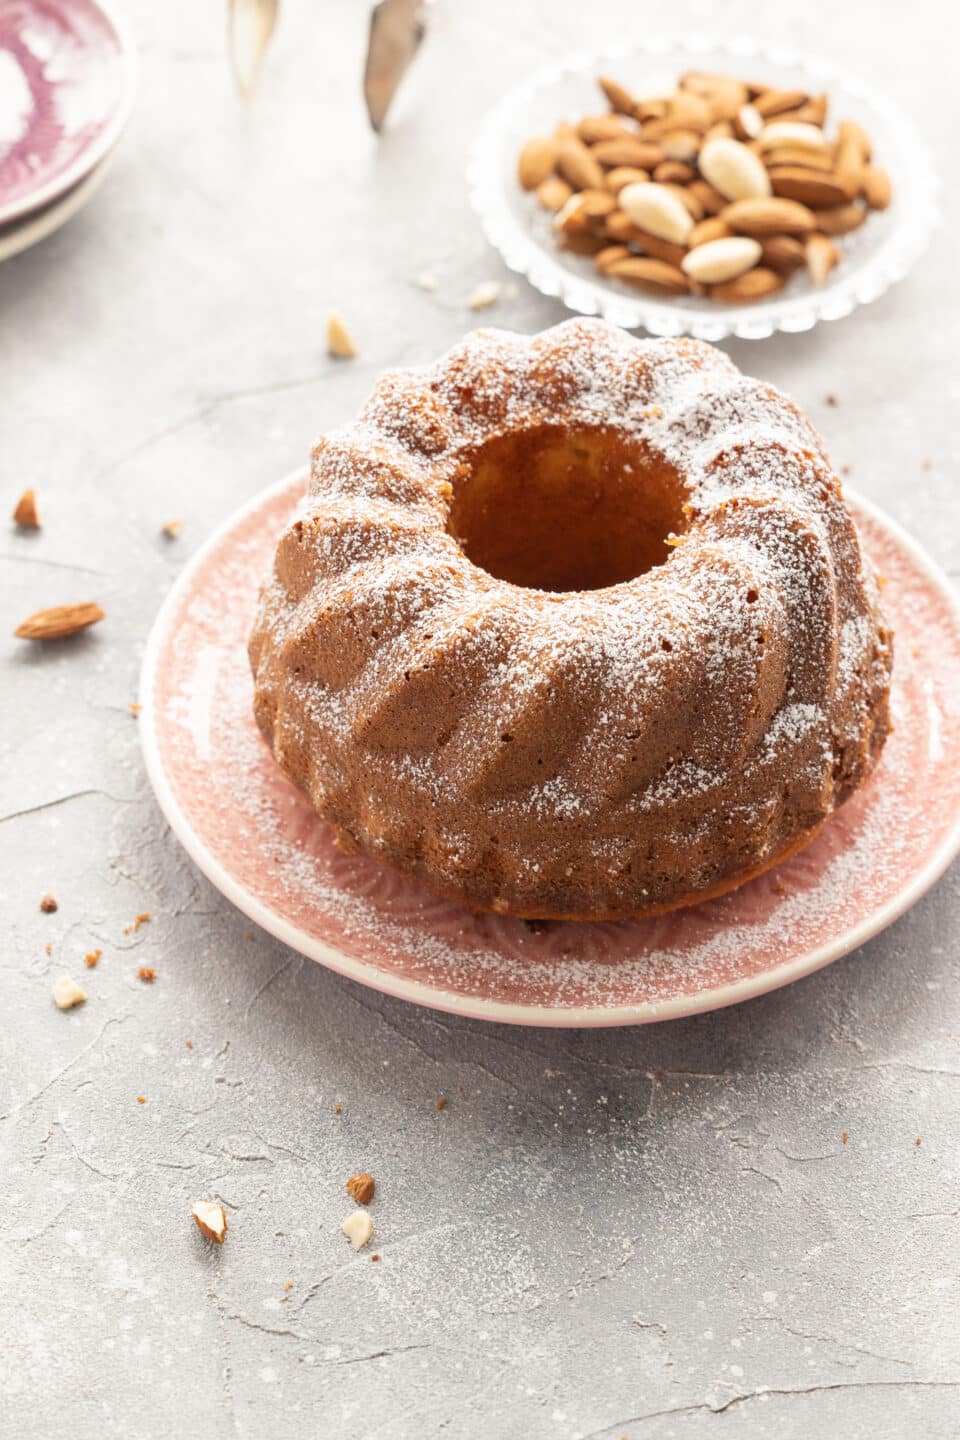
<point x="551" y="510"/>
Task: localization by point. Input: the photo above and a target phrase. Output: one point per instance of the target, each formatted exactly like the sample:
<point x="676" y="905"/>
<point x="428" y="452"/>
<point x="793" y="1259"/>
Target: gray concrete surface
<point x="646" y="1234"/>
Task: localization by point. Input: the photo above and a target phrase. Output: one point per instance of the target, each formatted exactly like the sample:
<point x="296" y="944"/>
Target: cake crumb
<point x="358" y="1228"/>
<point x="428" y="281"/>
<point x="339" y="340"/>
<point x="845" y="1136"/>
<point x="919" y="1140"/>
<point x="26" y="514"/>
<point x="374" y="1257"/>
<point x="134" y="926"/>
<point x="91" y="958"/>
<point x="442" y="1102"/>
<point x="337" y="1109"/>
<point x="172" y="528"/>
<point x="211" y="1220"/>
<point x="248" y="934"/>
<point x="134" y="708"/>
<point x="48" y="948"/>
<point x="189" y="1044"/>
<point x="483" y="295"/>
<point x="147" y="974"/>
<point x="141" y="1099"/>
<point x="831" y="400"/>
<point x="362" y="1187"/>
<point x="49" y="905"/>
<point x="67" y="993"/>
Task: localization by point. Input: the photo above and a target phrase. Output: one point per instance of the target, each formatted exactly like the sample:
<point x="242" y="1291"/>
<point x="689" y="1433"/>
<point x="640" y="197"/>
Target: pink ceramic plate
<point x="258" y="841"/>
<point x="66" y="86"/>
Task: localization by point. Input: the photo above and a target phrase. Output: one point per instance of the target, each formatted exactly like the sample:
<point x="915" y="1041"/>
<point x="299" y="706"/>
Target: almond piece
<point x="877" y="190"/>
<point x="26" y="514"/>
<point x="339" y="340"/>
<point x="571" y="219"/>
<point x="821" y="256"/>
<point x="753" y="285"/>
<point x="171" y="528"/>
<point x="773" y="216"/>
<point x="812" y="187"/>
<point x="773" y="102"/>
<point x="720" y="260"/>
<point x="658" y="210"/>
<point x="358" y="1228"/>
<point x="790" y="132"/>
<point x="577" y="164"/>
<point x="362" y="1187"/>
<point x="711" y="200"/>
<point x="628" y="151"/>
<point x="609" y="255"/>
<point x="67" y="993"/>
<point x="840" y="219"/>
<point x="603" y="127"/>
<point x="655" y="275"/>
<point x="619" y="98"/>
<point x="554" y="193"/>
<point x="483" y="295"/>
<point x="210" y="1220"/>
<point x="783" y="253"/>
<point x="674" y="172"/>
<point x="625" y="175"/>
<point x="706" y="230"/>
<point x="536" y="161"/>
<point x="60" y="621"/>
<point x="733" y="170"/>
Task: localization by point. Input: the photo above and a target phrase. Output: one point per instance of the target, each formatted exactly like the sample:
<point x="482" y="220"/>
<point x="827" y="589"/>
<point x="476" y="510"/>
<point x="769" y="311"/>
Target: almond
<point x="658" y="210"/>
<point x="724" y="94"/>
<point x="340" y="342"/>
<point x="706" y="230"/>
<point x="810" y="158"/>
<point x="536" y="161"/>
<point x="581" y="242"/>
<point x="628" y="151"/>
<point x="60" y="621"/>
<point x="553" y="193"/>
<point x="783" y="253"/>
<point x="821" y="256"/>
<point x="750" y="121"/>
<point x="813" y="113"/>
<point x="625" y="175"/>
<point x="733" y="170"/>
<point x="722" y="130"/>
<point x="674" y="172"/>
<point x="577" y="164"/>
<point x="720" y="260"/>
<point x="690" y="111"/>
<point x="773" y="216"/>
<point x="361" y="1187"/>
<point x="711" y="200"/>
<point x="687" y="199"/>
<point x="571" y="218"/>
<point x="773" y="102"/>
<point x="680" y="144"/>
<point x="850" y="132"/>
<point x="595" y="204"/>
<point x="620" y="99"/>
<point x="812" y="187"/>
<point x="26" y="514"/>
<point x="790" y="132"/>
<point x="877" y="190"/>
<point x="753" y="285"/>
<point x="565" y="131"/>
<point x="609" y="255"/>
<point x="603" y="127"/>
<point x="653" y="245"/>
<point x="651" y="275"/>
<point x="840" y="219"/>
<point x="849" y="167"/>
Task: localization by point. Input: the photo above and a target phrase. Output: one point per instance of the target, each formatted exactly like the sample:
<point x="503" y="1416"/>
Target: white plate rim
<point x="472" y="1007"/>
<point x="89" y="161"/>
<point x="784" y="313"/>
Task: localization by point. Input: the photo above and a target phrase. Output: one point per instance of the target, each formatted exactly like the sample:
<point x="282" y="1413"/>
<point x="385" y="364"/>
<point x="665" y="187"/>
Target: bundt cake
<point x="573" y="625"/>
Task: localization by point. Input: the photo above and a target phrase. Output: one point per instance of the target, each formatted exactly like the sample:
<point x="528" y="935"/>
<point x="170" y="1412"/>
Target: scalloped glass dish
<point x="875" y="256"/>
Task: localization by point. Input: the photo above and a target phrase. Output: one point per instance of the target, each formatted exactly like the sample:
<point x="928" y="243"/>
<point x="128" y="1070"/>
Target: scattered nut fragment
<point x="59" y="622"/>
<point x="67" y="993"/>
<point x="49" y="905"/>
<point x="25" y="512"/>
<point x="91" y="958"/>
<point x="358" y="1228"/>
<point x="211" y="1220"/>
<point x="147" y="974"/>
<point x="361" y="1187"/>
<point x="134" y="926"/>
<point x="141" y="1099"/>
<point x="339" y="340"/>
<point x="172" y="529"/>
<point x="755" y="158"/>
<point x="485" y="294"/>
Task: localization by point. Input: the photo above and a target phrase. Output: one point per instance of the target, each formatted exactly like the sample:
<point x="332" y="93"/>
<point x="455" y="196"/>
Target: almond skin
<point x="60" y="621"/>
<point x="754" y="285"/>
<point x="536" y="161"/>
<point x="769" y="217"/>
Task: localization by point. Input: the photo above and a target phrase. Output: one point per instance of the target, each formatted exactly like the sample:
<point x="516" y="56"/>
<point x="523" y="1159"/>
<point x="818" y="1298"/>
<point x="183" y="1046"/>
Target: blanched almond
<point x="651" y="275"/>
<point x="750" y="121"/>
<point x="680" y="144"/>
<point x="772" y="216"/>
<point x="720" y="260"/>
<point x="733" y="170"/>
<point x="657" y="209"/>
<point x="790" y="132"/>
<point x="536" y="162"/>
<point x="821" y="256"/>
<point x="753" y="285"/>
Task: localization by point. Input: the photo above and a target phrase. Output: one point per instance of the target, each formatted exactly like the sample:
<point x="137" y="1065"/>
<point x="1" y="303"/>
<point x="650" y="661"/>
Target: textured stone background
<point x="571" y="1248"/>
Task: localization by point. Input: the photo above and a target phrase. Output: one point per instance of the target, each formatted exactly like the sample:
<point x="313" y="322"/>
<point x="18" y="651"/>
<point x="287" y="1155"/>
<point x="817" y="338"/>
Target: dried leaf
<point x="396" y="30"/>
<point x="250" y="26"/>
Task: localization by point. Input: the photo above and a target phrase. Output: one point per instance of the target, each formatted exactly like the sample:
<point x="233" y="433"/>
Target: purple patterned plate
<point x="67" y="74"/>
